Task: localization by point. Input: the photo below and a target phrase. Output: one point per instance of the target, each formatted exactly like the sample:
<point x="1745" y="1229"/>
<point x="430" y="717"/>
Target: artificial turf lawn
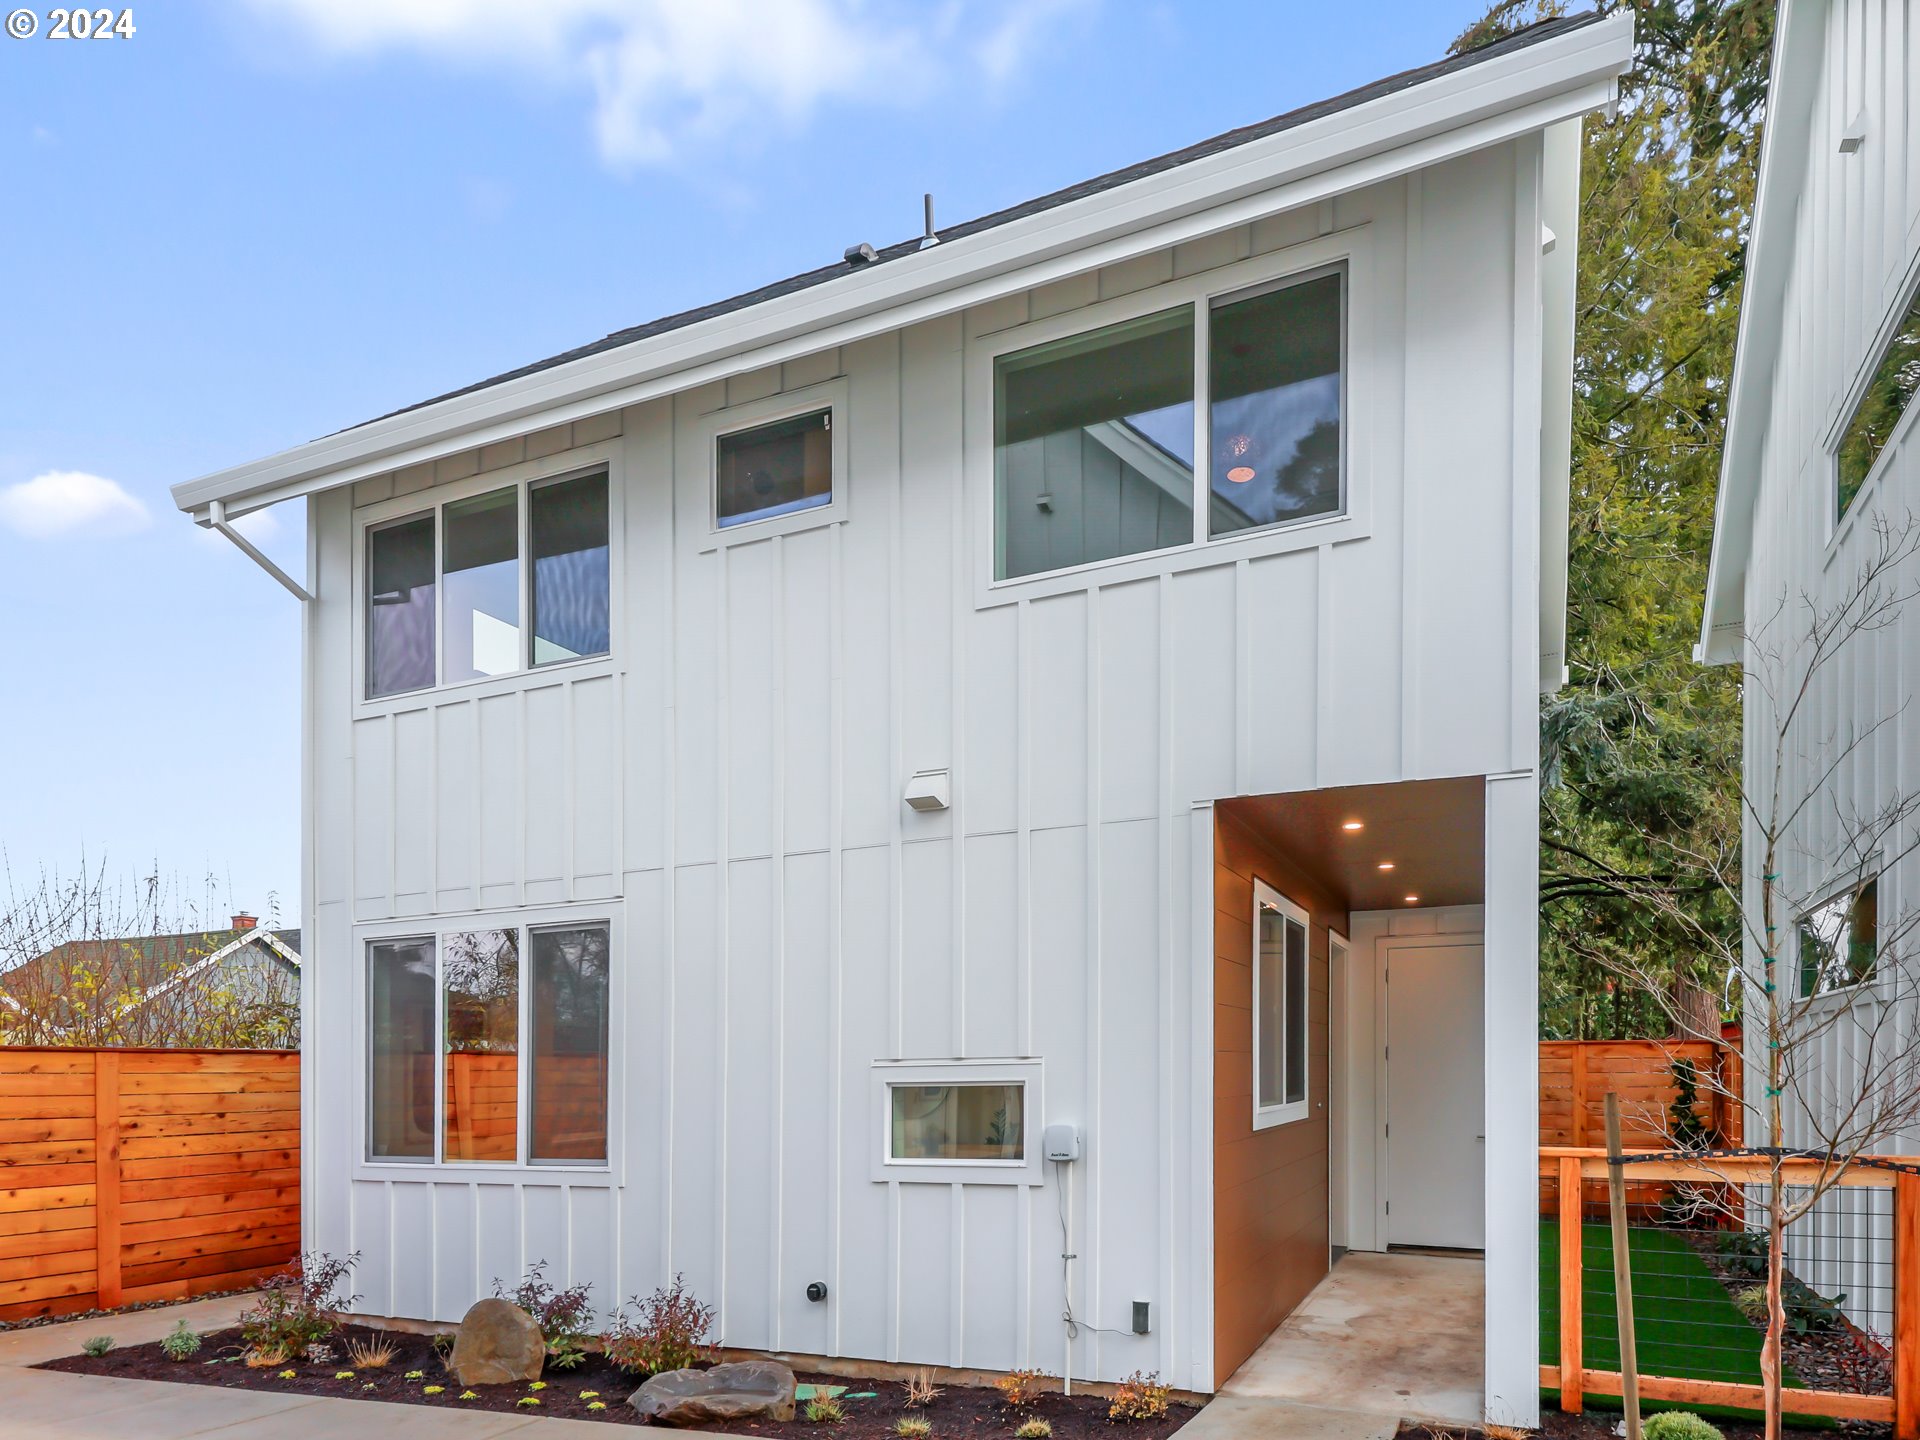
<point x="1685" y="1323"/>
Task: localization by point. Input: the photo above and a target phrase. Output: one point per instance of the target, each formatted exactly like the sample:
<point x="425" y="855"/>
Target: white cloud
<point x="62" y="501"/>
<point x="666" y="73"/>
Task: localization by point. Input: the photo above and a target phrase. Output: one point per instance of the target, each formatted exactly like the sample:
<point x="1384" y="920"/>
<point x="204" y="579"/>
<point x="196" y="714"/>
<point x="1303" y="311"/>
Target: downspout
<point x="217" y="517"/>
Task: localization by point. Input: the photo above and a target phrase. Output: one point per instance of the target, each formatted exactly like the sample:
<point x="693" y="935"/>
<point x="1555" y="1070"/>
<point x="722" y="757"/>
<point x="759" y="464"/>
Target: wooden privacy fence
<point x="1576" y="1075"/>
<point x="1576" y="1168"/>
<point x="131" y="1175"/>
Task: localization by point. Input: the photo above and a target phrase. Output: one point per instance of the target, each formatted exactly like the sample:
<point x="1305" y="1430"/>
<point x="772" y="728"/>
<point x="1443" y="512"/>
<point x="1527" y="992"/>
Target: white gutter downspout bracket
<point x="217" y="517"/>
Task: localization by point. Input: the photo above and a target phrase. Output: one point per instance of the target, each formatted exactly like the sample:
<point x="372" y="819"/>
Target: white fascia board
<point x="1560" y="212"/>
<point x="1426" y="124"/>
<point x="1799" y="52"/>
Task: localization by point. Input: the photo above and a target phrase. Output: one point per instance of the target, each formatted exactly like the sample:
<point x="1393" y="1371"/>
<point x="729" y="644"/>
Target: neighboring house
<point x="1819" y="450"/>
<point x="794" y="755"/>
<point x="221" y="988"/>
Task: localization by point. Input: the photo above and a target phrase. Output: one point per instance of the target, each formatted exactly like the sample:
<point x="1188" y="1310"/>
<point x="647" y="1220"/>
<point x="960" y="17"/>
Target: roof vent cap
<point x="861" y="254"/>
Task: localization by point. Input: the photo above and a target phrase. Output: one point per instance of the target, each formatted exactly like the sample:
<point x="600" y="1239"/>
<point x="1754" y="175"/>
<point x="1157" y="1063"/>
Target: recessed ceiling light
<point x="1386" y="864"/>
<point x="1413" y="899"/>
<point x="1352" y="825"/>
<point x="1240" y="474"/>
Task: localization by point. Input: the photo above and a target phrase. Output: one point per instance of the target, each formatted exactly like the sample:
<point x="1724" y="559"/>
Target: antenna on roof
<point x="930" y="238"/>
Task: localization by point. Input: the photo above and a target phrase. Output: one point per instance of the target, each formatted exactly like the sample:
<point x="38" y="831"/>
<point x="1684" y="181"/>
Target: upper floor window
<point x="1095" y="436"/>
<point x="1877" y="413"/>
<point x="775" y="469"/>
<point x="449" y="600"/>
<point x="1839" y="941"/>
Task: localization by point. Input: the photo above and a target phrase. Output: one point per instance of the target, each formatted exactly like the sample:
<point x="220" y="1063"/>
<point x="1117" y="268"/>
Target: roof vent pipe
<point x="930" y="237"/>
<point x="861" y="254"/>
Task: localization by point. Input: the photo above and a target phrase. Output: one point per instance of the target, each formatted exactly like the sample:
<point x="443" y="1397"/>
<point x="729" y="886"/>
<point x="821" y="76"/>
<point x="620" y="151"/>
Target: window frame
<point x="1350" y="250"/>
<point x="1287" y="1112"/>
<point x="432" y="500"/>
<point x="1840" y="523"/>
<point x="714" y="425"/>
<point x="369" y="1166"/>
<point x="1028" y="1074"/>
<point x="1859" y="985"/>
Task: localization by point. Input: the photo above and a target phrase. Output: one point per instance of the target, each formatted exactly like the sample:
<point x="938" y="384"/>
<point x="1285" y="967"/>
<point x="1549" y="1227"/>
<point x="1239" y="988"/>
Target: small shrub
<point x="528" y="1400"/>
<point x="1744" y="1252"/>
<point x="589" y="1394"/>
<point x="1494" y="1430"/>
<point x="443" y="1343"/>
<point x="597" y="1405"/>
<point x="1020" y="1388"/>
<point x="1750" y="1301"/>
<point x="416" y="1374"/>
<point x="912" y="1427"/>
<point x="1140" y="1397"/>
<point x="433" y="1389"/>
<point x="562" y="1315"/>
<point x="374" y="1353"/>
<point x="96" y="1345"/>
<point x="666" y="1331"/>
<point x="824" y="1410"/>
<point x="920" y="1388"/>
<point x="469" y="1395"/>
<point x="289" y="1374"/>
<point x="1033" y="1429"/>
<point x="181" y="1343"/>
<point x="1678" y="1425"/>
<point x="267" y="1357"/>
<point x="293" y="1313"/>
<point x="343" y="1374"/>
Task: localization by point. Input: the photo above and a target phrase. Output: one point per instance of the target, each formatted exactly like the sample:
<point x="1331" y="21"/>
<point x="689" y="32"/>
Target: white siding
<point x="728" y="785"/>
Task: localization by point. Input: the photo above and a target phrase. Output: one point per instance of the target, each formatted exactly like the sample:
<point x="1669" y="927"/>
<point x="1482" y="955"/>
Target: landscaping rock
<point x="745" y="1390"/>
<point x="498" y="1343"/>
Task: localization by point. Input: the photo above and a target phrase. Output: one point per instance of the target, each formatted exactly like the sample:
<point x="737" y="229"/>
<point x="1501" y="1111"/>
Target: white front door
<point x="1436" y="1100"/>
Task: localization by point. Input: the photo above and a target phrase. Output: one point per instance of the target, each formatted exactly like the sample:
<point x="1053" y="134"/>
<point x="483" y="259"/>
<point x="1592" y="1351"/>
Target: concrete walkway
<point x="48" y="1405"/>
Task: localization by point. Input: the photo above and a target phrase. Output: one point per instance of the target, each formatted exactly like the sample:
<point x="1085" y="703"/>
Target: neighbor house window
<point x="957" y="1122"/>
<point x="1893" y="385"/>
<point x="1094" y="435"/>
<point x="779" y="468"/>
<point x="448" y="598"/>
<point x="460" y="1003"/>
<point x="1280" y="933"/>
<point x="1840" y="941"/>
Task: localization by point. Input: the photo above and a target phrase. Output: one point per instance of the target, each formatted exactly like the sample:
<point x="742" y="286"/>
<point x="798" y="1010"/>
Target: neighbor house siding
<point x="727" y="786"/>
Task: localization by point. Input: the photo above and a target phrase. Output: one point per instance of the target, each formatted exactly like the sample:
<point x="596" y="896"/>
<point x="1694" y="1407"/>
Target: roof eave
<point x="1454" y="113"/>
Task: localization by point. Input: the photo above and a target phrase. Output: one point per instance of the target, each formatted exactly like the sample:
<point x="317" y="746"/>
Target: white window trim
<point x="1874" y="987"/>
<point x="1025" y="1073"/>
<point x="1265" y="1117"/>
<point x="548" y="469"/>
<point x="1839" y="526"/>
<point x="596" y="1173"/>
<point x="730" y="420"/>
<point x="1360" y="384"/>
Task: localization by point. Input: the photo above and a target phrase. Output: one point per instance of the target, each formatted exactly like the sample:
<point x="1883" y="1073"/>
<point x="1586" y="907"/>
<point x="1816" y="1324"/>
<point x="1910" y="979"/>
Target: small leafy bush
<point x="562" y="1315"/>
<point x="912" y="1427"/>
<point x="1020" y="1388"/>
<point x="1750" y="1301"/>
<point x="1033" y="1429"/>
<point x="1807" y="1310"/>
<point x="443" y="1343"/>
<point x="1744" y="1252"/>
<point x="180" y="1343"/>
<point x="920" y="1388"/>
<point x="666" y="1331"/>
<point x="293" y="1313"/>
<point x="1140" y="1397"/>
<point x="96" y="1345"/>
<point x="824" y="1410"/>
<point x="1678" y="1425"/>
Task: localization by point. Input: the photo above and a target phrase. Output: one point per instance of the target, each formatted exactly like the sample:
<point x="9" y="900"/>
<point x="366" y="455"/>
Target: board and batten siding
<point x="1855" y="252"/>
<point x="727" y="788"/>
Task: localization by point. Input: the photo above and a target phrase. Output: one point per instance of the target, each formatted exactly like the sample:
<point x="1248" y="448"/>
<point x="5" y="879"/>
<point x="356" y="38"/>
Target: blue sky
<point x="256" y="222"/>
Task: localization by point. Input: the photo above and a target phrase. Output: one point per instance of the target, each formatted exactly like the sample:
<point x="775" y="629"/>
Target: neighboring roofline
<point x="1516" y="89"/>
<point x="1799" y="54"/>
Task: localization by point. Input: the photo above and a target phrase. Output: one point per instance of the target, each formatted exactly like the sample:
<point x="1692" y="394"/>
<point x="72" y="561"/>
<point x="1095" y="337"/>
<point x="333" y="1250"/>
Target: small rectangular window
<point x="1093" y="446"/>
<point x="1895" y="380"/>
<point x="571" y="568"/>
<point x="480" y="981"/>
<point x="482" y="576"/>
<point x="400" y="607"/>
<point x="568" y="1043"/>
<point x="1274" y="395"/>
<point x="957" y="1122"/>
<point x="775" y="469"/>
<point x="1280" y="1005"/>
<point x="400" y="1046"/>
<point x="1840" y="941"/>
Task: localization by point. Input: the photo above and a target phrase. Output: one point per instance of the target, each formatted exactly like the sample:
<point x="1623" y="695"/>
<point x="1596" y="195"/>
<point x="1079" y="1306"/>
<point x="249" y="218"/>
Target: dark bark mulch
<point x="970" y="1411"/>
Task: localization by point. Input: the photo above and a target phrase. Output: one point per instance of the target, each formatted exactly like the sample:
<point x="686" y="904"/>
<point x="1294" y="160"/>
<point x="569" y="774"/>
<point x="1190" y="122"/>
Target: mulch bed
<point x="972" y="1411"/>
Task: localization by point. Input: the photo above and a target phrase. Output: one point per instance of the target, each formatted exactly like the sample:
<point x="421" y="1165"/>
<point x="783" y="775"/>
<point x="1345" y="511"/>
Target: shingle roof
<point x="825" y="274"/>
<point x="130" y="963"/>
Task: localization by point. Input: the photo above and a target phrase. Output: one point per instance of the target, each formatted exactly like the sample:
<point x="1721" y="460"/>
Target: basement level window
<point x="1878" y="412"/>
<point x="957" y="1122"/>
<point x="1839" y="942"/>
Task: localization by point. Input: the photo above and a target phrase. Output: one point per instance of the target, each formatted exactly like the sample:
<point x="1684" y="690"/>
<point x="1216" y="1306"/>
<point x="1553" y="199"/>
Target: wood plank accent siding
<point x="1270" y="1202"/>
<point x="132" y="1175"/>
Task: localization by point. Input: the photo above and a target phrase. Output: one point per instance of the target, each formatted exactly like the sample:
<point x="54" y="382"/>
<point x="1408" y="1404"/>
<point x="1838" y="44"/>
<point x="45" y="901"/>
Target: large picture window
<point x="449" y="1077"/>
<point x="1891" y="389"/>
<point x="446" y="592"/>
<point x="1095" y="436"/>
<point x="1280" y="988"/>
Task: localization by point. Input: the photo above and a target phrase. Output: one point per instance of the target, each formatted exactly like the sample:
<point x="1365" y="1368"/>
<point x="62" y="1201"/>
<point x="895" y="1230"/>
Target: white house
<point x="838" y="753"/>
<point x="1819" y="450"/>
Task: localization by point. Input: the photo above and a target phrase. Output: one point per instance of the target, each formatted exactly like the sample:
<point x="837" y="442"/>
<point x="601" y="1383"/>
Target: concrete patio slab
<point x="1248" y="1417"/>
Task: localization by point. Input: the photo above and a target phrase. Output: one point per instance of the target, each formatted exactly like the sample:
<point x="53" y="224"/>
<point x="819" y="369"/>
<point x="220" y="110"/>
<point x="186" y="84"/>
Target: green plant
<point x="1033" y="1429"/>
<point x="294" y="1311"/>
<point x="1744" y="1252"/>
<point x="1020" y="1388"/>
<point x="1751" y="1301"/>
<point x="443" y="1343"/>
<point x="1808" y="1311"/>
<point x="181" y="1343"/>
<point x="912" y="1427"/>
<point x="562" y="1315"/>
<point x="1140" y="1397"/>
<point x="96" y="1345"/>
<point x="824" y="1410"/>
<point x="666" y="1331"/>
<point x="1678" y="1425"/>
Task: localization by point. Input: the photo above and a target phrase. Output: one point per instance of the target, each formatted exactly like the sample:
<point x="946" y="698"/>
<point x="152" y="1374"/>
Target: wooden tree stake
<point x="1622" y="1269"/>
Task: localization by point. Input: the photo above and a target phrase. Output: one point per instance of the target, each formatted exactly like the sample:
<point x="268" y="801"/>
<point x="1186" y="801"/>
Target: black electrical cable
<point x="1074" y="1325"/>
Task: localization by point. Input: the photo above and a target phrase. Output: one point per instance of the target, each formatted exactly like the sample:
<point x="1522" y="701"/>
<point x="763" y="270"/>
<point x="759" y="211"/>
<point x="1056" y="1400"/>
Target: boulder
<point x="498" y="1343"/>
<point x="745" y="1390"/>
